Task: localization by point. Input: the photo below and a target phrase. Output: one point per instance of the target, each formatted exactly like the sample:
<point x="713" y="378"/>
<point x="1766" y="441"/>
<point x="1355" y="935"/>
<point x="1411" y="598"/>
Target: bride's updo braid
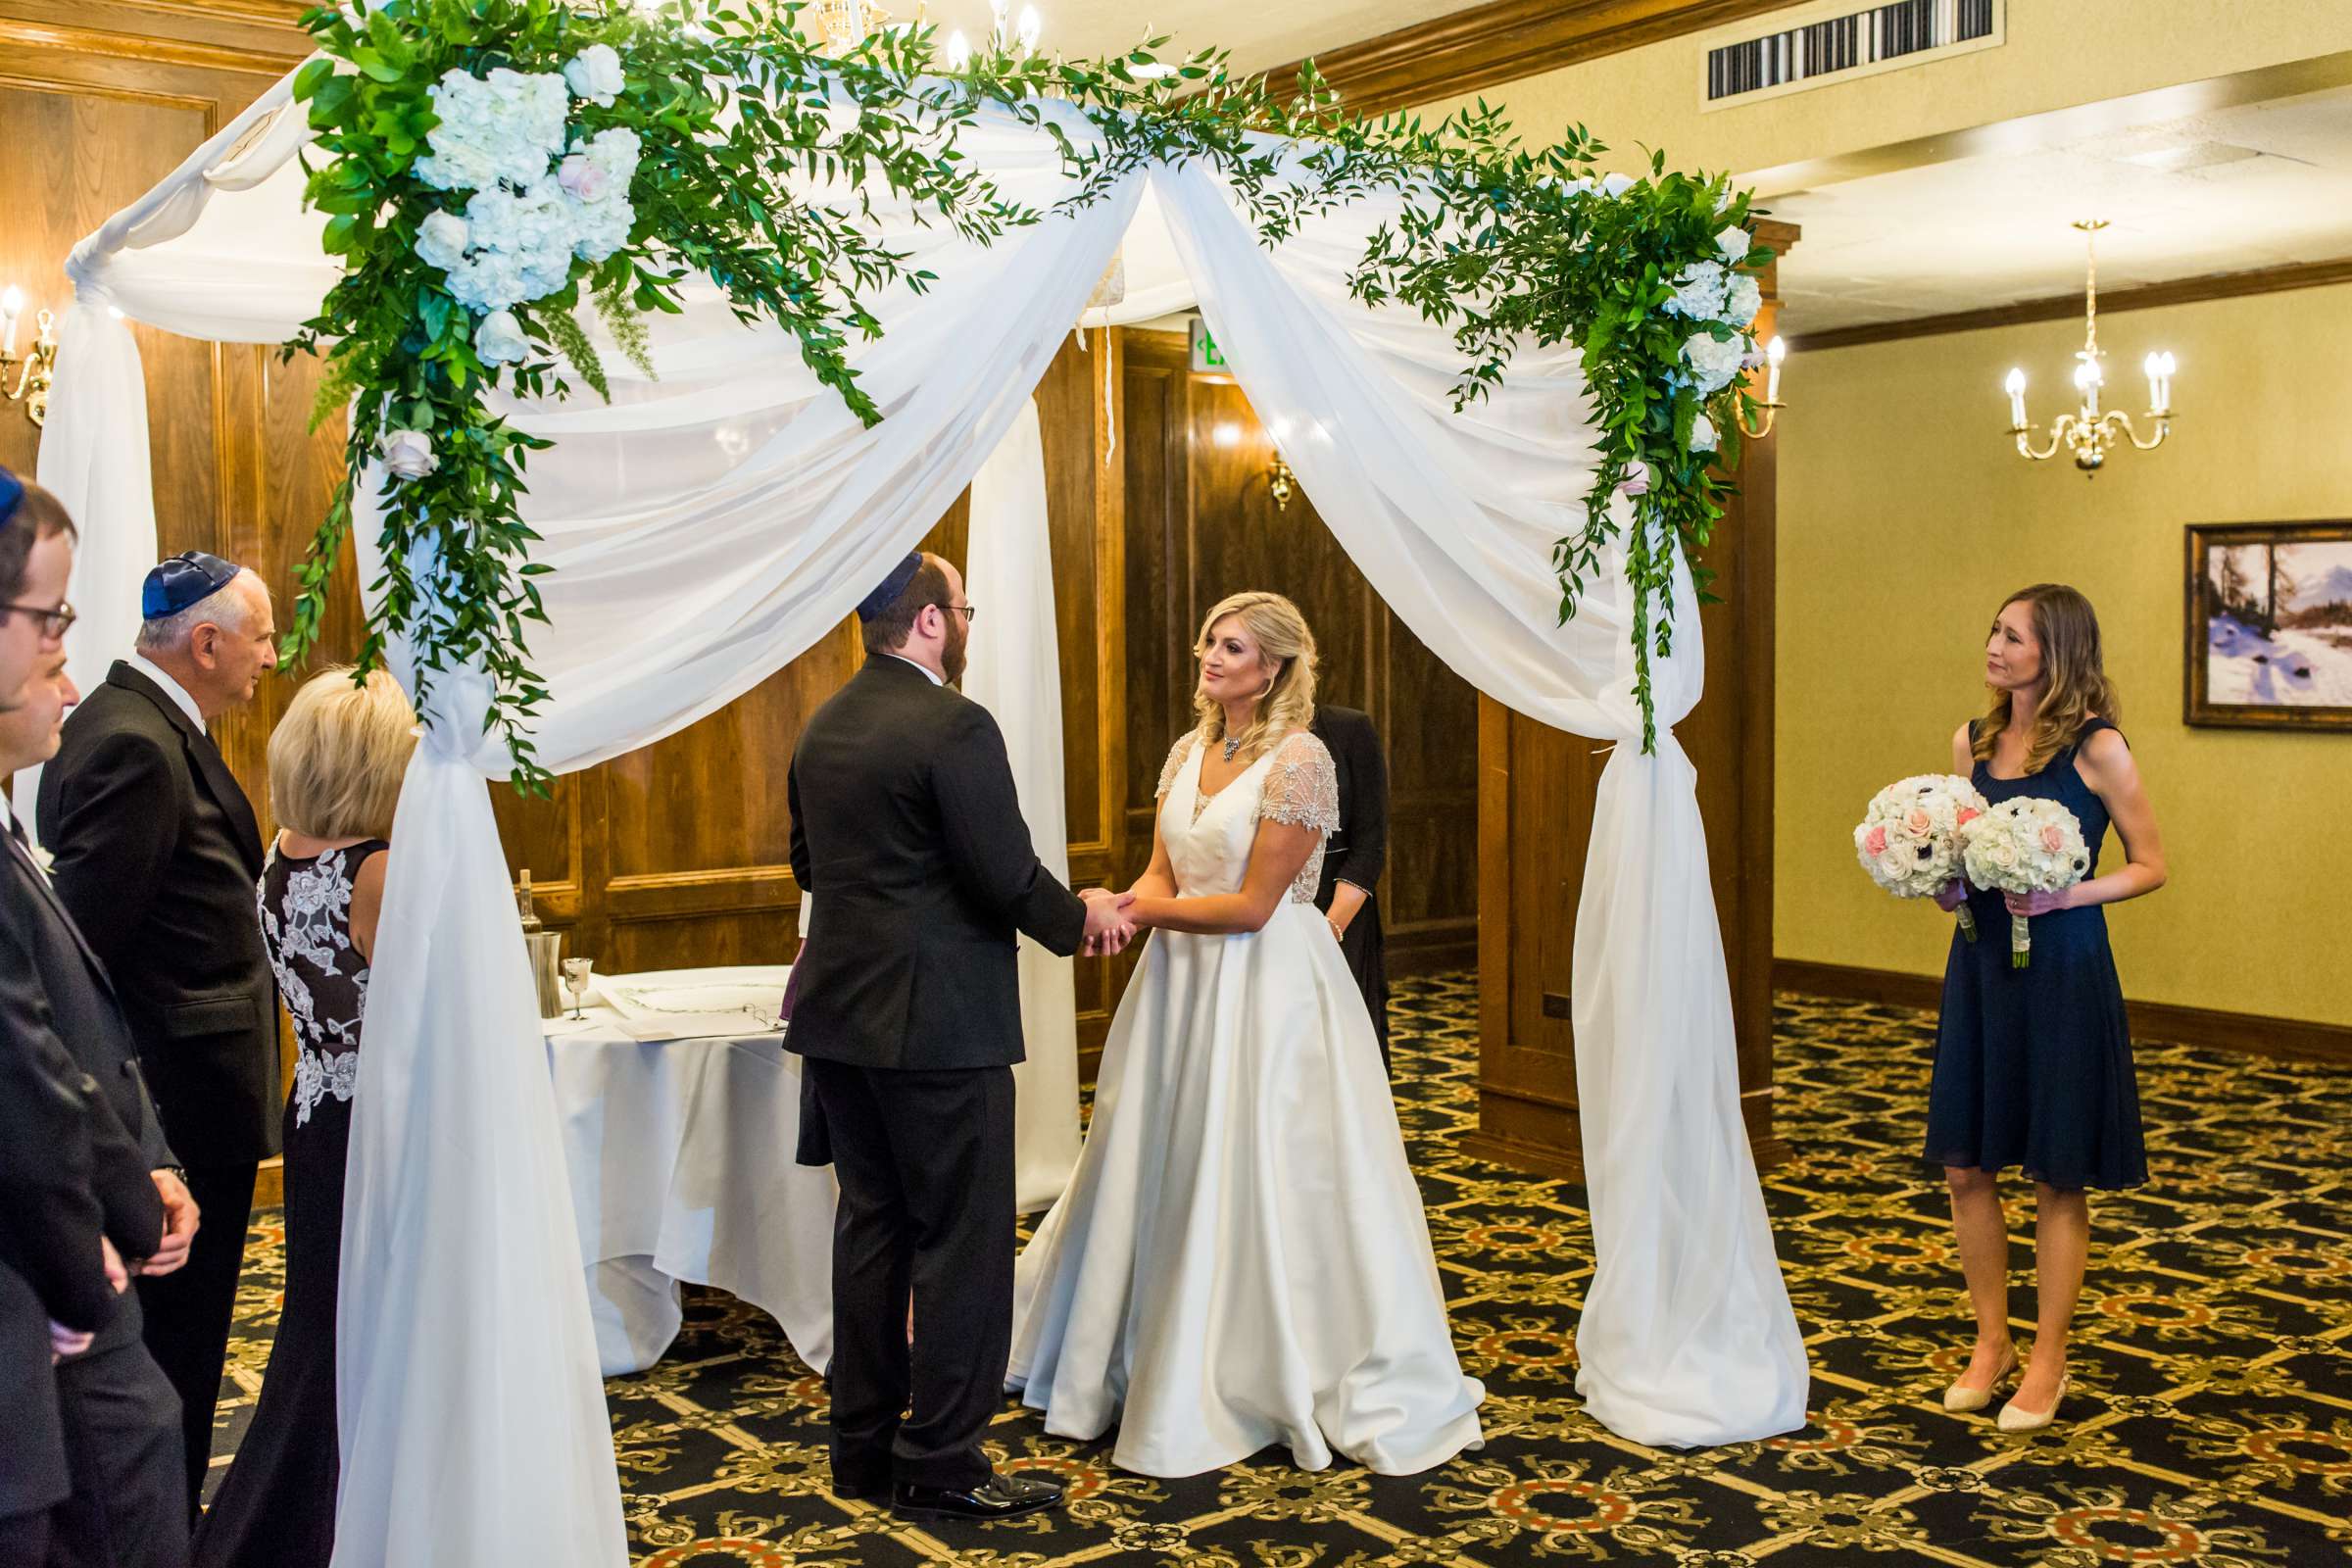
<point x="1280" y="634"/>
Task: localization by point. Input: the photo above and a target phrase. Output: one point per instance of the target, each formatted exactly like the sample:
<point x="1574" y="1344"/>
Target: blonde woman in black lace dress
<point x="336" y="761"/>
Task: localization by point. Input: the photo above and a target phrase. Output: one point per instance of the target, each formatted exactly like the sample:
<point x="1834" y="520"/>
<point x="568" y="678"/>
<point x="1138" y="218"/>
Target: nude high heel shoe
<point x="1963" y="1401"/>
<point x="2016" y="1418"/>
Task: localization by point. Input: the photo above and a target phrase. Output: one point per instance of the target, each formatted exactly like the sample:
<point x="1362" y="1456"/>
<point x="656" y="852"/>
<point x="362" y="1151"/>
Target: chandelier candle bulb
<point x="1774" y="353"/>
<point x="2016" y="383"/>
<point x="11" y="306"/>
<point x="1032" y="27"/>
<point x="959" y="51"/>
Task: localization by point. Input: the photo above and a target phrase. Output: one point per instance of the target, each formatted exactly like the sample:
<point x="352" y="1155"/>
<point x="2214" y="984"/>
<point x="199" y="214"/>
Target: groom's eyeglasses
<point x="969" y="613"/>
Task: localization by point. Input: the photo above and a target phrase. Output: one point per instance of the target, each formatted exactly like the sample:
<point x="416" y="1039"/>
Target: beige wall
<point x="1906" y="516"/>
<point x="2059" y="53"/>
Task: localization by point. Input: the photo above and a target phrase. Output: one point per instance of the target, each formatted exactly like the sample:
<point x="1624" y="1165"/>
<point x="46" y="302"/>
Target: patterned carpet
<point x="2211" y="1420"/>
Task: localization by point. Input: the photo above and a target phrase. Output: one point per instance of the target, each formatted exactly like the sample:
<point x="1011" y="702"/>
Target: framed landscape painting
<point x="2270" y="625"/>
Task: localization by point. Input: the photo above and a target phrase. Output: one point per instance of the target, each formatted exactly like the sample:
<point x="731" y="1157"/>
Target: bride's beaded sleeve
<point x="1303" y="789"/>
<point x="1176" y="756"/>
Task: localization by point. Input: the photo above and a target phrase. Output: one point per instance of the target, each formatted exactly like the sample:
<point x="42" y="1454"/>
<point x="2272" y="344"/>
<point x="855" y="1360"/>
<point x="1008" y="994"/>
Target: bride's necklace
<point x="1233" y="744"/>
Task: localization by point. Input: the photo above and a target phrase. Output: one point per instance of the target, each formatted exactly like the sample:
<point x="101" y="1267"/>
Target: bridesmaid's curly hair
<point x="1289" y="702"/>
<point x="2068" y="630"/>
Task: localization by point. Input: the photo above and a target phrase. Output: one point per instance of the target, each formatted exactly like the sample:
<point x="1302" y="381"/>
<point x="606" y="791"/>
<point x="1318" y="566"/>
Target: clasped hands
<point x="1109" y="929"/>
<point x="171" y="1251"/>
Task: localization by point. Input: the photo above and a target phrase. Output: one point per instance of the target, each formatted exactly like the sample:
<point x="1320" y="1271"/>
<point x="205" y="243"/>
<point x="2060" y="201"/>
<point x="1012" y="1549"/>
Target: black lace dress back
<point x="276" y="1504"/>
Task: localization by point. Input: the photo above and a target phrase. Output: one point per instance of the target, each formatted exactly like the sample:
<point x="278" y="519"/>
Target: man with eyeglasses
<point x="59" y="1278"/>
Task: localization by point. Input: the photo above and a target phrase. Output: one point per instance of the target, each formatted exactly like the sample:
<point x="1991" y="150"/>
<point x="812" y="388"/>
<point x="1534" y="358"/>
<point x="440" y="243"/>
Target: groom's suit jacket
<point x="906" y="826"/>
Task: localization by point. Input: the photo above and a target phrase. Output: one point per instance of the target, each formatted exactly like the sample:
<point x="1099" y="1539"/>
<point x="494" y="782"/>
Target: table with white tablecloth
<point x="681" y="1151"/>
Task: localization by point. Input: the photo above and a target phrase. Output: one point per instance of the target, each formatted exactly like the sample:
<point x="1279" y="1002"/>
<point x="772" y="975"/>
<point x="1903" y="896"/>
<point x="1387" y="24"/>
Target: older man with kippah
<point x="157" y="854"/>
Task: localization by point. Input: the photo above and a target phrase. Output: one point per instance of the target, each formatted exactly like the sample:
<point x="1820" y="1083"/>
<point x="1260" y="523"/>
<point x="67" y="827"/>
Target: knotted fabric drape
<point x="709" y="527"/>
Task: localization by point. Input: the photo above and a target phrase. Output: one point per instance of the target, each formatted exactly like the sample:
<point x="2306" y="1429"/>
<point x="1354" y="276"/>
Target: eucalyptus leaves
<point x="493" y="167"/>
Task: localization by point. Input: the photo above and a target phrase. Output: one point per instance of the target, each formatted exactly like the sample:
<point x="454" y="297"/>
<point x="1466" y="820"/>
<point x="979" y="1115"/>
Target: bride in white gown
<point x="1240" y="1258"/>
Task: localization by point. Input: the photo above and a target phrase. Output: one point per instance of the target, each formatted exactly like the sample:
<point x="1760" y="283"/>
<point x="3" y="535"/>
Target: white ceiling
<point x="1259" y="33"/>
<point x="2254" y="186"/>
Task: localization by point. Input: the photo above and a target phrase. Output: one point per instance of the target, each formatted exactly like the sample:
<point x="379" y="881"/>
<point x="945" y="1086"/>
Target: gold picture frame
<point x="2269" y="625"/>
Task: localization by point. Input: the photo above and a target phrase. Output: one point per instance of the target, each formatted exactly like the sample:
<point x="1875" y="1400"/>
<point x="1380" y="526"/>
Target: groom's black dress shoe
<point x="1000" y="1496"/>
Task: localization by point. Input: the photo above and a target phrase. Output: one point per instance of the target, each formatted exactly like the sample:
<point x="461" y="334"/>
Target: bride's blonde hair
<point x="1289" y="702"/>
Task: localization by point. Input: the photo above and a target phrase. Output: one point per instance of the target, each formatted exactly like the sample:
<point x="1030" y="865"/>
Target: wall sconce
<point x="1281" y="482"/>
<point x="34" y="368"/>
<point x="1774" y="353"/>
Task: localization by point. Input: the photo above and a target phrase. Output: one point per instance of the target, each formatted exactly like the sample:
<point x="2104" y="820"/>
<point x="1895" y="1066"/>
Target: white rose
<point x="441" y="240"/>
<point x="1713" y="361"/>
<point x="407" y="454"/>
<point x="1616" y="186"/>
<point x="499" y="340"/>
<point x="581" y="179"/>
<point x="595" y="75"/>
<point x="1732" y="242"/>
<point x="1702" y="434"/>
<point x="1742" y="298"/>
<point x="1698" y="292"/>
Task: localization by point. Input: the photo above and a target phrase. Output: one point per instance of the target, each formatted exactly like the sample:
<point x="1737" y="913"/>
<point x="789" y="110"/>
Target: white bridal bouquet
<point x="2025" y="846"/>
<point x="1912" y="837"/>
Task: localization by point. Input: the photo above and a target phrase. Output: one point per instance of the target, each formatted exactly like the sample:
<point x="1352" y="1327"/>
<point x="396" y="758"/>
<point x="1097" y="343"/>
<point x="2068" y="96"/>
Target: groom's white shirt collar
<point x="171" y="688"/>
<point x="929" y="673"/>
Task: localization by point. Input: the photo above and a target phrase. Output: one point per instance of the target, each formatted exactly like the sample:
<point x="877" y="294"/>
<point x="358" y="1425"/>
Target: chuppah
<point x="805" y="327"/>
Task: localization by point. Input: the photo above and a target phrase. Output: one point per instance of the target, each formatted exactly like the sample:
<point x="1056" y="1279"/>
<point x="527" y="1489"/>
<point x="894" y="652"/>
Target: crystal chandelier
<point x="2086" y="433"/>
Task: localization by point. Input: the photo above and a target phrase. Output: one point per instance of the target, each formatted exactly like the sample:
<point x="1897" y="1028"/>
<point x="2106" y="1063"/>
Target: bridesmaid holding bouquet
<point x="2033" y="1065"/>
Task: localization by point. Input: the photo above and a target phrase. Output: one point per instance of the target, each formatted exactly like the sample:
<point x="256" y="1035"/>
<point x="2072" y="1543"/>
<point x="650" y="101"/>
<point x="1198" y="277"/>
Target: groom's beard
<point x="950" y="658"/>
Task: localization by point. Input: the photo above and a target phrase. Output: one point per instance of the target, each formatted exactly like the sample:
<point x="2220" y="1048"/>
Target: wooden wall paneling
<point x="1536" y="790"/>
<point x="98" y="103"/>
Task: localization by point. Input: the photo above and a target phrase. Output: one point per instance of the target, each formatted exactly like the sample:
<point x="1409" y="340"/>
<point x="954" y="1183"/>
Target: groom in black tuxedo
<point x="907" y="1013"/>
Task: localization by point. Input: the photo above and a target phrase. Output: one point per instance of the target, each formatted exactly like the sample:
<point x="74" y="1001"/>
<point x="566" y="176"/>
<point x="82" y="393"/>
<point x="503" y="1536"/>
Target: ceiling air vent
<point x="1835" y="42"/>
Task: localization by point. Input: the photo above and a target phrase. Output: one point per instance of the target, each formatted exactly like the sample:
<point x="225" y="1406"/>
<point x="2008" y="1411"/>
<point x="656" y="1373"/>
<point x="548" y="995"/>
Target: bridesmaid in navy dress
<point x="2033" y="1065"/>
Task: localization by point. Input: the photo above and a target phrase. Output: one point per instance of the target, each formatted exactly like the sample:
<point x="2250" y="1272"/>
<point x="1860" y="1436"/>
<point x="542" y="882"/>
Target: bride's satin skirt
<point x="1240" y="1258"/>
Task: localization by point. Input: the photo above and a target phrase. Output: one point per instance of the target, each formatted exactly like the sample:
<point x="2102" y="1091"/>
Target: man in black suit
<point x="58" y="1278"/>
<point x="157" y="854"/>
<point x="1355" y="856"/>
<point x="907" y="1013"/>
<point x="128" y="1502"/>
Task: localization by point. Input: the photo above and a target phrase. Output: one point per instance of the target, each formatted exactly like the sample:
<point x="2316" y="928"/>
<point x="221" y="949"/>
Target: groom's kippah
<point x="176" y="584"/>
<point x="12" y="491"/>
<point x="876" y="603"/>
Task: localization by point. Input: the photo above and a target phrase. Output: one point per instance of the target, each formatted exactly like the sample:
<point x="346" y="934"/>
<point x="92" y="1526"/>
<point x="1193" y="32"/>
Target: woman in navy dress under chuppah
<point x="2033" y="1065"/>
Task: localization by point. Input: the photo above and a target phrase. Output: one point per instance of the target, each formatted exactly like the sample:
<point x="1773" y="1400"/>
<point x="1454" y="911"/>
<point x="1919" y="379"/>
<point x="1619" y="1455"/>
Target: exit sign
<point x="1207" y="356"/>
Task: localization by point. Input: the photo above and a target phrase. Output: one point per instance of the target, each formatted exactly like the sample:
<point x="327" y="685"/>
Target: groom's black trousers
<point x="924" y="1160"/>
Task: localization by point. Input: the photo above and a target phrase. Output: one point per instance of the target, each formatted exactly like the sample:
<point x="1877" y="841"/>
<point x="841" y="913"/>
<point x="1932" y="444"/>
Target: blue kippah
<point x="12" y="491"/>
<point x="876" y="603"/>
<point x="176" y="584"/>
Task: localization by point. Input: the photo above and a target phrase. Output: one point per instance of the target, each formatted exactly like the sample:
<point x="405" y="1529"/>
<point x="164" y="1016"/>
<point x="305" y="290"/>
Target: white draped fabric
<point x="1014" y="672"/>
<point x="709" y="527"/>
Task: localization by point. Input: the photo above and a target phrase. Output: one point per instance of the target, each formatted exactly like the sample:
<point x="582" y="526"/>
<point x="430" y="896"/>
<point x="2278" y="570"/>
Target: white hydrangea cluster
<point x="1711" y="291"/>
<point x="1713" y="361"/>
<point x="1698" y="292"/>
<point x="503" y="127"/>
<point x="535" y="206"/>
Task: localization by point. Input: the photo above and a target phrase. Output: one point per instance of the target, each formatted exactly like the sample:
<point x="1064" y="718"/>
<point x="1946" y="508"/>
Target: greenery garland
<point x="491" y="168"/>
